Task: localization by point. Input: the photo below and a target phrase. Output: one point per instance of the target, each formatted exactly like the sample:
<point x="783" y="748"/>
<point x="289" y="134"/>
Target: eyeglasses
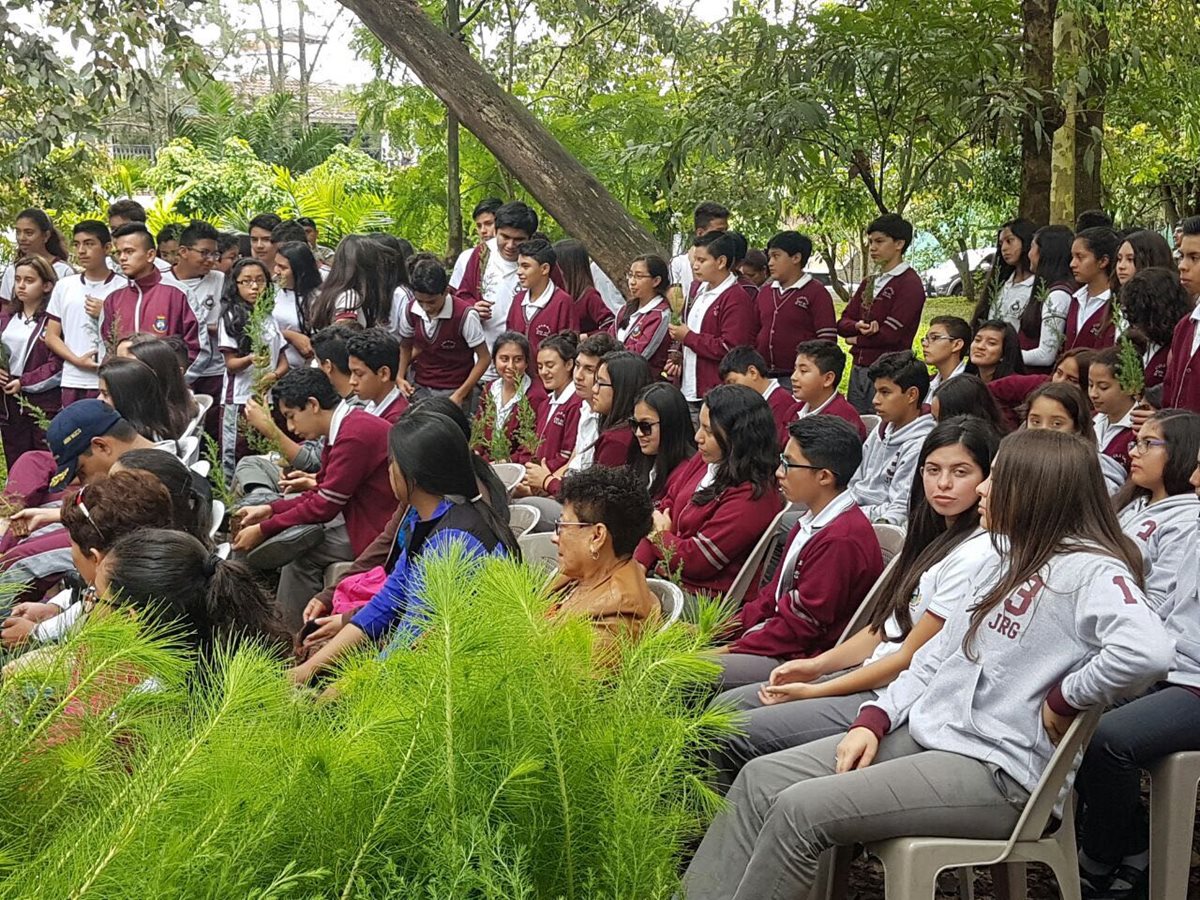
<point x="1142" y="445"/>
<point x="934" y="338"/>
<point x="788" y="465"/>
<point x="636" y="276"/>
<point x="203" y="254"/>
<point x="599" y="384"/>
<point x="560" y="525"/>
<point x="252" y="282"/>
<point x="643" y="427"/>
<point x="82" y="507"/>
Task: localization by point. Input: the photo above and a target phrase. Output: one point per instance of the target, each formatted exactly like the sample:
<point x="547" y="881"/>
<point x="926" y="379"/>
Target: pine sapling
<point x="527" y="434"/>
<point x="257" y="328"/>
<point x="216" y="471"/>
<point x="1131" y="373"/>
<point x="35" y="412"/>
<point x="868" y="294"/>
<point x="483" y="425"/>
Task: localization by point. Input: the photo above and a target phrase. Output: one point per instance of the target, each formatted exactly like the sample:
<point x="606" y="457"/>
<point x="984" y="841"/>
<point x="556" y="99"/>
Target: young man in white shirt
<point x="708" y="216"/>
<point x="484" y="217"/>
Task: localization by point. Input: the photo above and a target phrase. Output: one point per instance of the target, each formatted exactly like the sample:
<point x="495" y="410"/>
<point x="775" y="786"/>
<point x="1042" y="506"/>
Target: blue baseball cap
<point x="71" y="433"/>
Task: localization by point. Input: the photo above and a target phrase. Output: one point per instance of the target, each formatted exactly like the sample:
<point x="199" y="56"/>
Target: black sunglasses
<point x="643" y="427"/>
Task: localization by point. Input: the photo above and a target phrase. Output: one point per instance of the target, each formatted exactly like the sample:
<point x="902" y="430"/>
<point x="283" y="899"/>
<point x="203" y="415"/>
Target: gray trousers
<point x="789" y="807"/>
<point x="304" y="577"/>
<point x="780" y="726"/>
<point x="740" y="669"/>
<point x="861" y="391"/>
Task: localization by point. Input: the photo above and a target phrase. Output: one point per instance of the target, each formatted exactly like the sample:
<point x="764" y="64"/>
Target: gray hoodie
<point x="1078" y="635"/>
<point x="1181" y="615"/>
<point x="1165" y="532"/>
<point x="884" y="478"/>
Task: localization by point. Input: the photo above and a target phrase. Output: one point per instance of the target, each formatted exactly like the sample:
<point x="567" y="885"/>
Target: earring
<point x="595" y="553"/>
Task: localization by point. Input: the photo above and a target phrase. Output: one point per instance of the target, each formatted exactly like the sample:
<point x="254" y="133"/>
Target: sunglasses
<point x="644" y="427"/>
<point x="82" y="507"/>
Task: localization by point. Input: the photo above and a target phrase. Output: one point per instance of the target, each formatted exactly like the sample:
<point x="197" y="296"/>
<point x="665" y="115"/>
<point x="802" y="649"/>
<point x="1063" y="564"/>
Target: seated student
<point x="373" y="356"/>
<point x="1158" y="508"/>
<point x="1090" y="318"/>
<point x="944" y="550"/>
<point x="32" y="373"/>
<point x="1013" y="391"/>
<point x="1044" y="320"/>
<point x="442" y="347"/>
<point x="163" y="361"/>
<point x="884" y="480"/>
<point x="662" y="425"/>
<point x="606" y="512"/>
<point x="720" y="502"/>
<point x="831" y="558"/>
<point x="575" y="269"/>
<point x="966" y="395"/>
<point x="542" y="308"/>
<point x="73" y="328"/>
<point x="755" y="267"/>
<point x="715" y="321"/>
<point x="429" y="466"/>
<point x="1058" y="627"/>
<point x="995" y="351"/>
<point x="642" y="325"/>
<point x="744" y="365"/>
<point x="131" y="388"/>
<point x="945" y="347"/>
<point x="1181" y="386"/>
<point x="558" y="417"/>
<point x="147" y="303"/>
<point x="793" y="308"/>
<point x="191" y="494"/>
<point x="1113" y="405"/>
<point x="883" y="315"/>
<point x="352" y="485"/>
<point x="815" y="378"/>
<point x="506" y="397"/>
<point x="1061" y="406"/>
<point x="1153" y="302"/>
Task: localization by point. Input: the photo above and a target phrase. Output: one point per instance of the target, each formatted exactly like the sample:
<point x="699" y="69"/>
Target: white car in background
<point x="945" y="279"/>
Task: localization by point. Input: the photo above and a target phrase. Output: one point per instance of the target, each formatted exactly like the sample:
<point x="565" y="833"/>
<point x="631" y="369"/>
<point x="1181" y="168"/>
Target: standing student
<point x="360" y="285"/>
<point x="262" y="247"/>
<point x="744" y="365"/>
<point x="944" y="348"/>
<point x="442" y="346"/>
<point x="1140" y="250"/>
<point x="723" y="499"/>
<point x="146" y="303"/>
<point x="882" y="483"/>
<point x="815" y="380"/>
<point x="297" y="281"/>
<point x="558" y="417"/>
<point x="883" y="315"/>
<point x="1010" y="286"/>
<point x="708" y="217"/>
<point x="1059" y="627"/>
<point x="967" y="395"/>
<point x="996" y="351"/>
<point x="662" y="426"/>
<point x="484" y="217"/>
<point x="510" y="356"/>
<point x="374" y="356"/>
<point x="1181" y="387"/>
<point x="33" y="372"/>
<point x="167" y="244"/>
<point x="575" y="265"/>
<point x="1090" y="319"/>
<point x="830" y="561"/>
<point x="36" y="236"/>
<point x="541" y="308"/>
<point x="489" y="279"/>
<point x="123" y="212"/>
<point x="1158" y="508"/>
<point x="1044" y="322"/>
<point x="322" y="254"/>
<point x="228" y="252"/>
<point x="642" y="325"/>
<point x="755" y="267"/>
<point x="741" y="248"/>
<point x="73" y="326"/>
<point x="1113" y="406"/>
<point x="716" y="320"/>
<point x="793" y="308"/>
<point x="1154" y="302"/>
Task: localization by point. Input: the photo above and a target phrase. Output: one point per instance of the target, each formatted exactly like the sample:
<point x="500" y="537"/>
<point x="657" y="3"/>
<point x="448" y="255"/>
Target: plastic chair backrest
<point x="188" y="449"/>
<point x="891" y="540"/>
<point x="218" y="516"/>
<point x="522" y="519"/>
<point x="670" y="599"/>
<point x="539" y="550"/>
<point x="223" y="550"/>
<point x="870" y="422"/>
<point x="204" y="404"/>
<point x="859" y="619"/>
<point x="510" y="474"/>
<point x="201" y="468"/>
<point x="745" y="578"/>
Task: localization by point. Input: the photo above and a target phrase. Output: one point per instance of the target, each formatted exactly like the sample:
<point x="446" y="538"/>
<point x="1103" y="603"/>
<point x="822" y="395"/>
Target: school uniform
<point x="831" y="561"/>
<point x="836" y="405"/>
<point x="62" y="269"/>
<point x="489" y="276"/>
<point x="899" y="298"/>
<point x="390" y="408"/>
<point x="444" y="347"/>
<point x="1078" y="636"/>
<point x="1009" y="304"/>
<point x="1113" y="437"/>
<point x="80" y="332"/>
<point x="1165" y="532"/>
<point x="1155" y="362"/>
<point x="557" y="423"/>
<point x="937" y="381"/>
<point x="883" y="482"/>
<point x="783" y="408"/>
<point x="40" y="373"/>
<point x="507" y="413"/>
<point x="644" y="331"/>
<point x="787" y="316"/>
<point x="614" y="446"/>
<point x="1090" y="321"/>
<point x="286" y="313"/>
<point x="538" y="317"/>
<point x="149" y="304"/>
<point x="710" y="541"/>
<point x="1039" y="351"/>
<point x="237" y="388"/>
<point x="609" y="292"/>
<point x="206" y="374"/>
<point x="592" y="312"/>
<point x="1181" y="386"/>
<point x="719" y="319"/>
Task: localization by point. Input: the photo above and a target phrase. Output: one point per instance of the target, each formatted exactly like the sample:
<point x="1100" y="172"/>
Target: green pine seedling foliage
<point x="35" y="412"/>
<point x="484" y="424"/>
<point x="216" y="472"/>
<point x="261" y="367"/>
<point x="1131" y="372"/>
<point x="492" y="759"/>
<point x="527" y="436"/>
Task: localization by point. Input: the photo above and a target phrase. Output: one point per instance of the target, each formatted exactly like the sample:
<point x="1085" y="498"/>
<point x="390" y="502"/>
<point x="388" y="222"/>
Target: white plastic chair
<point x="670" y="599"/>
<point x="223" y="550"/>
<point x="859" y="619"/>
<point x="522" y="519"/>
<point x="911" y="864"/>
<point x="539" y="550"/>
<point x="871" y="423"/>
<point x="188" y="450"/>
<point x="204" y="402"/>
<point x="201" y="468"/>
<point x="891" y="540"/>
<point x="510" y="475"/>
<point x="1173" y="782"/>
<point x="218" y="516"/>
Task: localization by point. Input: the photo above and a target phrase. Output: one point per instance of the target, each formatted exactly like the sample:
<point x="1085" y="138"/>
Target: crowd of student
<point x="1041" y="459"/>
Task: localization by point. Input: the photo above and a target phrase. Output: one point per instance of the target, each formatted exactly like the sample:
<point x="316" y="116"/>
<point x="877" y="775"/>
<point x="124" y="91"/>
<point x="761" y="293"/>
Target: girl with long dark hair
<point x="1044" y="321"/>
<point x="191" y="496"/>
<point x="298" y="279"/>
<point x="29" y="370"/>
<point x="131" y="388"/>
<point x="662" y="426"/>
<point x="360" y="285"/>
<point x="35" y="236"/>
<point x="161" y="358"/>
<point x="619" y="380"/>
<point x="1011" y="285"/>
<point x="575" y="267"/>
<point x="1138" y="251"/>
<point x="995" y="351"/>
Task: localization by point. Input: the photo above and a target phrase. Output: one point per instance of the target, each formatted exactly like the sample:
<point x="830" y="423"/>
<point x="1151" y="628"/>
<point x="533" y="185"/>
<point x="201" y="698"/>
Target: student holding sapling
<point x="508" y="400"/>
<point x="1115" y="385"/>
<point x="30" y="372"/>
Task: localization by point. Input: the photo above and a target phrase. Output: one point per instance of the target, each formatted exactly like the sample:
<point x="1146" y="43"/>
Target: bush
<point x="224" y="187"/>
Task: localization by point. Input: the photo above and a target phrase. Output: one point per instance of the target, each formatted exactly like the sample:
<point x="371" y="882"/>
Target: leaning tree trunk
<point x="1037" y="143"/>
<point x="564" y="187"/>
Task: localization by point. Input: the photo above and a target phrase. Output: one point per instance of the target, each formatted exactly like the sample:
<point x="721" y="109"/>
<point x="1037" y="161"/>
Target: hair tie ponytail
<point x="476" y="498"/>
<point x="210" y="565"/>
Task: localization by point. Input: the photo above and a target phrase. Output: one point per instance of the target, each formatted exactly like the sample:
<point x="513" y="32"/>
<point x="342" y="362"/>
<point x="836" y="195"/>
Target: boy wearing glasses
<point x="744" y="365"/>
<point x="195" y="274"/>
<point x="831" y="561"/>
<point x="944" y="347"/>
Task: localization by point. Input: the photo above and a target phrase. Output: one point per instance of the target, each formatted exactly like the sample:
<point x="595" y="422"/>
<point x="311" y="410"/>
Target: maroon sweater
<point x="41" y="378"/>
<point x="560" y="314"/>
<point x="1098" y="332"/>
<point x="728" y="323"/>
<point x="788" y="317"/>
<point x="648" y="335"/>
<point x="839" y="406"/>
<point x="444" y="361"/>
<point x="353" y="481"/>
<point x="556" y="428"/>
<point x="832" y="576"/>
<point x="1181" y="387"/>
<point x="784" y="408"/>
<point x="593" y="313"/>
<point x="1156" y="368"/>
<point x="711" y="541"/>
<point x="897" y="308"/>
<point x="152" y="306"/>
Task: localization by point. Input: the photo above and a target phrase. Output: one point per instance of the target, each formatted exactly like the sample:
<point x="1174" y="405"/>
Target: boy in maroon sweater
<point x="353" y="482"/>
<point x="373" y="355"/>
<point x="146" y="303"/>
<point x="541" y="308"/>
<point x="744" y="365"/>
<point x="883" y="315"/>
<point x="815" y="380"/>
<point x="1181" y="388"/>
<point x="831" y="560"/>
<point x="792" y="308"/>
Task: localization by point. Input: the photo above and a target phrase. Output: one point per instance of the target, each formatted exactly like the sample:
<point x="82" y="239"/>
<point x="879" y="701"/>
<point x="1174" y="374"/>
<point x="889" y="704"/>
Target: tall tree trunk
<point x="564" y="187"/>
<point x="1089" y="120"/>
<point x="1062" y="186"/>
<point x="302" y="56"/>
<point x="280" y="68"/>
<point x="454" y="232"/>
<point x="1037" y="143"/>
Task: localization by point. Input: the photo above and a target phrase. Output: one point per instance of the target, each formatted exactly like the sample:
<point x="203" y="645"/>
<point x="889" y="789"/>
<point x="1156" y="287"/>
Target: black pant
<point x="1112" y="820"/>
